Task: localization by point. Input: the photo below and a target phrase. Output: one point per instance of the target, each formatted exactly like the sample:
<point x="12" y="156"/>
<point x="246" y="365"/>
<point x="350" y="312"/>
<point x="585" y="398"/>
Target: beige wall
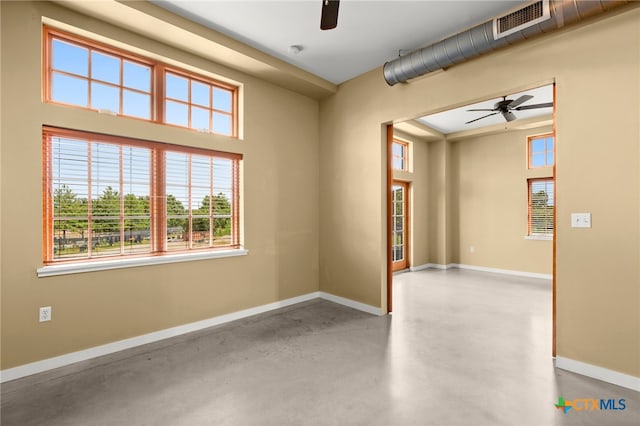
<point x="311" y="169"/>
<point x="280" y="200"/>
<point x="598" y="277"/>
<point x="489" y="203"/>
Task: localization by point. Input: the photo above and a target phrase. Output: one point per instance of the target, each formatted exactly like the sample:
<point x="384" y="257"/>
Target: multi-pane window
<point x="85" y="76"/>
<point x="541" y="150"/>
<point x="399" y="219"/>
<point x="400" y="155"/>
<point x="108" y="196"/>
<point x="91" y="75"/>
<point x="541" y="206"/>
<point x="198" y="104"/>
<point x="200" y="194"/>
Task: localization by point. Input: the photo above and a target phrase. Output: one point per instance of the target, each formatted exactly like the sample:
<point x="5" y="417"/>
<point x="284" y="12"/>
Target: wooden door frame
<point x="555" y="229"/>
<point x="389" y="217"/>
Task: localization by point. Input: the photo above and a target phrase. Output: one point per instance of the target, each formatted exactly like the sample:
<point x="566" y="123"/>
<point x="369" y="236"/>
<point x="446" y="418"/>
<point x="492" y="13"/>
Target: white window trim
<point x="104" y="265"/>
<point x="544" y="237"/>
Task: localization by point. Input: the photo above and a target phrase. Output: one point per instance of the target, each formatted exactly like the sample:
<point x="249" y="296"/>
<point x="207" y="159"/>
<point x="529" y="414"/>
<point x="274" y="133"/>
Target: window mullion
<point x="89" y="200"/>
<point x="211" y="201"/>
<point x="121" y="190"/>
<point x="47" y="189"/>
<point x="235" y="205"/>
<point x="159" y="77"/>
<point x="89" y="79"/>
<point x="159" y="201"/>
<point x="190" y="198"/>
<point x="121" y="87"/>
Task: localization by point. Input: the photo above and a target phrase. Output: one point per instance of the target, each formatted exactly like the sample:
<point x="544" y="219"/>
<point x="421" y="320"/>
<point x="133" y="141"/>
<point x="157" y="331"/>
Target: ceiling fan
<point x="506" y="106"/>
<point x="329" y="17"/>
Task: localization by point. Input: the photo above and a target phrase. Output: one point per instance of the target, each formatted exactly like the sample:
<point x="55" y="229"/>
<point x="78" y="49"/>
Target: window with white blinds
<point x="541" y="207"/>
<point x="107" y="196"/>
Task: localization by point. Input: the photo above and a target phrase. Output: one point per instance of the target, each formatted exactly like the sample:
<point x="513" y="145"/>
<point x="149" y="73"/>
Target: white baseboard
<point x="430" y="266"/>
<point x="481" y="269"/>
<point x="503" y="271"/>
<point x="109" y="348"/>
<point x="351" y="303"/>
<point x="600" y="373"/>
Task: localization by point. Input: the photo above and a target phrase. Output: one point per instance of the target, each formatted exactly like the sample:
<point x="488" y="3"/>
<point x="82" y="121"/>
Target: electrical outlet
<point x="45" y="314"/>
<point x="472" y="249"/>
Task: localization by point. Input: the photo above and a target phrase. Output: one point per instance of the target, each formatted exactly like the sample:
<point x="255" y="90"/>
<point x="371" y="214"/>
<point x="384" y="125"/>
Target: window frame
<point x="530" y="218"/>
<point x="158" y="213"/>
<point x="164" y="69"/>
<point x="404" y="158"/>
<point x="544" y="136"/>
<point x="157" y="89"/>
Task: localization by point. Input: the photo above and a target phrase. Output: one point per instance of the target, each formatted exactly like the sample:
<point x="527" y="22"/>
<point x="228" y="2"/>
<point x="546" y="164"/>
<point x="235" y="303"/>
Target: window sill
<point x="539" y="237"/>
<point x="103" y="265"/>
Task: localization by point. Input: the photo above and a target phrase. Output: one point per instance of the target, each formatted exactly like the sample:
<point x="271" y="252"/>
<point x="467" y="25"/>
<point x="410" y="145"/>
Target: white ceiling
<point x="369" y="33"/>
<point x="454" y="120"/>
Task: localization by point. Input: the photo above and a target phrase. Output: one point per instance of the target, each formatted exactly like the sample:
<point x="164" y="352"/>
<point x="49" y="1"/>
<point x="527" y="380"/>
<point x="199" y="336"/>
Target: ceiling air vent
<point x="521" y="18"/>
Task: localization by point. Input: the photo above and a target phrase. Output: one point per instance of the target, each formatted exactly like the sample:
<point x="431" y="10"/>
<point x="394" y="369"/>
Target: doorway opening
<point x="477" y="199"/>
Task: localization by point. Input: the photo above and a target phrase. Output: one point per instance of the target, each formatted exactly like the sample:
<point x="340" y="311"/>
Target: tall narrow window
<point x="541" y="150"/>
<point x="198" y="104"/>
<point x="400" y="152"/>
<point x="86" y="76"/>
<point x="400" y="225"/>
<point x="107" y="196"/>
<point x="541" y="206"/>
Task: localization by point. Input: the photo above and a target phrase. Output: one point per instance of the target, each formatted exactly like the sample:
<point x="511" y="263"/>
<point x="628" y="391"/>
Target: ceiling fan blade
<point x="545" y="105"/>
<point x="522" y="99"/>
<point x="509" y="116"/>
<point x="329" y="17"/>
<point x="484" y="116"/>
<point x="482" y="109"/>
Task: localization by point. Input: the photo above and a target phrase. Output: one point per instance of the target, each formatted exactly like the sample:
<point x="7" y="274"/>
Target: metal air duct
<point x="535" y="18"/>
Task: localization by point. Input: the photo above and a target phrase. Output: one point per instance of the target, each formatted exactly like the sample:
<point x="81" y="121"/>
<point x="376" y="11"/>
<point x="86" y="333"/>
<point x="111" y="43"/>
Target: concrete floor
<point x="462" y="348"/>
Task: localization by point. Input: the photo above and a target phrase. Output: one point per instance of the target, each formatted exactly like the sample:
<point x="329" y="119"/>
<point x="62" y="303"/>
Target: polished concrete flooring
<point x="462" y="348"/>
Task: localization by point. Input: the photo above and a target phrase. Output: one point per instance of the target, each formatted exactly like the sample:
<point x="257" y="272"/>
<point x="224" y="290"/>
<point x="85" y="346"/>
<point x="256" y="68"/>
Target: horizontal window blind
<point x="108" y="196"/>
<point x="541" y="207"/>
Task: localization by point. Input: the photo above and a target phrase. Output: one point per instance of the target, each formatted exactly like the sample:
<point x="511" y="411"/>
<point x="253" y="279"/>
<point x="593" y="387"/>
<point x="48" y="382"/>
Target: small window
<point x="541" y="151"/>
<point x="400" y="155"/>
<point x="107" y="196"/>
<point x="198" y="104"/>
<point x="541" y="207"/>
<point x="86" y="76"/>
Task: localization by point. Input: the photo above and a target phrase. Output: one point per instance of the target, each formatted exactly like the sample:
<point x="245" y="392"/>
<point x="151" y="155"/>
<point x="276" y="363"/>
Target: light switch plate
<point x="45" y="313"/>
<point x="581" y="220"/>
